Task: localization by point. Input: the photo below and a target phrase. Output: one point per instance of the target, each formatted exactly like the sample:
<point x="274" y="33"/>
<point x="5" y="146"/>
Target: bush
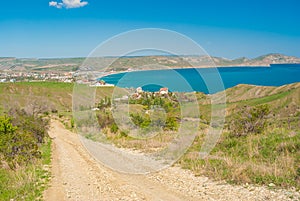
<point x="140" y="121"/>
<point x="104" y="103"/>
<point x="16" y="148"/>
<point x="114" y="128"/>
<point x="249" y="120"/>
<point x="105" y="119"/>
<point x="20" y="138"/>
<point x="36" y="125"/>
<point x="123" y="134"/>
<point x="171" y="124"/>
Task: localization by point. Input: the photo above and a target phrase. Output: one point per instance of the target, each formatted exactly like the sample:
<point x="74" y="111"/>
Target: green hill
<point x="270" y="156"/>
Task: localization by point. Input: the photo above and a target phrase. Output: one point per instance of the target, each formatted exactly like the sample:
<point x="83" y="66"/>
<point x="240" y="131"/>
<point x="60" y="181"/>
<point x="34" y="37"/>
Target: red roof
<point x="163" y="89"/>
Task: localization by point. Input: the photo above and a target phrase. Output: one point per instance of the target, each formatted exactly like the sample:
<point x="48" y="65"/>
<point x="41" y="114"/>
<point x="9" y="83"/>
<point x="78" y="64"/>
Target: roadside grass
<point x="153" y="144"/>
<point x="269" y="157"/>
<point x="27" y="183"/>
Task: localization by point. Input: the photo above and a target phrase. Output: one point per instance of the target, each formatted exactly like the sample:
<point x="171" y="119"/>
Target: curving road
<point x="76" y="175"/>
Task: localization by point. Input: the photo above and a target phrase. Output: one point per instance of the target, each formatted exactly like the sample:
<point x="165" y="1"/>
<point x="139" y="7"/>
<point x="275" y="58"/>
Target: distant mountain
<point x="268" y="59"/>
<point x="264" y="60"/>
<point x="138" y="63"/>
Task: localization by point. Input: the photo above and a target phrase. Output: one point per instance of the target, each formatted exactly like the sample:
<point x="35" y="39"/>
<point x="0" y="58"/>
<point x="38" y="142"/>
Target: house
<point x="163" y="91"/>
<point x="139" y="90"/>
<point x="101" y="83"/>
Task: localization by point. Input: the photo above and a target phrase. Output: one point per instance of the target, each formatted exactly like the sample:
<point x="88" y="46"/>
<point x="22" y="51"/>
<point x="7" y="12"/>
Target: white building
<point x="164" y="91"/>
<point x="139" y="90"/>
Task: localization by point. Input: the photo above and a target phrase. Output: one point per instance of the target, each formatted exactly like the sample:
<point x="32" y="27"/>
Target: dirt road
<point x="77" y="176"/>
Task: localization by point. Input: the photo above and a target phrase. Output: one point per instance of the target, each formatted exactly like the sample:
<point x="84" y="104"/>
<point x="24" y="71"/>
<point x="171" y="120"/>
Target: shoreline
<point x="181" y="68"/>
<point x="258" y="79"/>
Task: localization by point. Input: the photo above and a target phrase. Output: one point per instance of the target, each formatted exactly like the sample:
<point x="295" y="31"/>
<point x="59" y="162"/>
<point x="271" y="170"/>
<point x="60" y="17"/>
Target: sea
<point x="206" y="80"/>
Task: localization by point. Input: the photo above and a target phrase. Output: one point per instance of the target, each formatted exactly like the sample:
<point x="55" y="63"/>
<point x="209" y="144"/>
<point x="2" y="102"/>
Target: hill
<point x="138" y="62"/>
<point x="268" y="157"/>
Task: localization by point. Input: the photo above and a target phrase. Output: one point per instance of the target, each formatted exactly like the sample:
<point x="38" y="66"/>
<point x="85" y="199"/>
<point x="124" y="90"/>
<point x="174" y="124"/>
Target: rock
<point x="271" y="185"/>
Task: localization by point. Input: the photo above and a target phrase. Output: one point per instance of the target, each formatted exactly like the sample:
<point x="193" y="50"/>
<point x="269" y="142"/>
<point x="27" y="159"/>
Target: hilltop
<point x="264" y="60"/>
<point x="137" y="62"/>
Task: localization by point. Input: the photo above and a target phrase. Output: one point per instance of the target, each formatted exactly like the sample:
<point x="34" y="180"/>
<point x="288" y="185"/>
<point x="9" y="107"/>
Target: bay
<point x="206" y="80"/>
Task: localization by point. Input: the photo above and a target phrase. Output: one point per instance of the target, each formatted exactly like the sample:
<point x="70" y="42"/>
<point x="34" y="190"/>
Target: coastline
<point x="180" y="68"/>
<point x="231" y="76"/>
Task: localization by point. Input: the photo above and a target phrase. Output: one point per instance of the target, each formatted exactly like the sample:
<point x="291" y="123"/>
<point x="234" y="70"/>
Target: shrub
<point x="249" y="120"/>
<point x="16" y="148"/>
<point x="20" y="137"/>
<point x="140" y="121"/>
<point x="114" y="128"/>
<point x="105" y="119"/>
<point x="36" y="125"/>
<point x="123" y="134"/>
<point x="72" y="123"/>
<point x="104" y="103"/>
<point x="171" y="124"/>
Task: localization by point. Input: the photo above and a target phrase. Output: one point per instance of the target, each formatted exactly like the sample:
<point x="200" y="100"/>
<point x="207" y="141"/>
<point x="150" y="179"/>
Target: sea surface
<point x="206" y="80"/>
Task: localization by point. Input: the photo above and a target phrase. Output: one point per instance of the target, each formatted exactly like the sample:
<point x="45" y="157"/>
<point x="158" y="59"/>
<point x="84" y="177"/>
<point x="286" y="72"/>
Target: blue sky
<point x="229" y="29"/>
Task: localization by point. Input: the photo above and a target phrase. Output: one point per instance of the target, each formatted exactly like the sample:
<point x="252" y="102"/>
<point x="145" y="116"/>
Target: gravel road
<point x="76" y="175"/>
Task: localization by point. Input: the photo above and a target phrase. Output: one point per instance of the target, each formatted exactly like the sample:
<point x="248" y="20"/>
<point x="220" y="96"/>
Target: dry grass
<point x="272" y="157"/>
<point x="149" y="145"/>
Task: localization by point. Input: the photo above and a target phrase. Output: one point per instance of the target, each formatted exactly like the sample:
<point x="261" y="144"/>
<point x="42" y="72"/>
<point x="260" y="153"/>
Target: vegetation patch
<point x="25" y="153"/>
<point x="254" y="149"/>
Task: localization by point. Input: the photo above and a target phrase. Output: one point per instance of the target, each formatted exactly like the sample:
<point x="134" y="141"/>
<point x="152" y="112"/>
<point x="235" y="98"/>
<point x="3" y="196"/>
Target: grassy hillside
<point x="271" y="156"/>
<point x="54" y="96"/>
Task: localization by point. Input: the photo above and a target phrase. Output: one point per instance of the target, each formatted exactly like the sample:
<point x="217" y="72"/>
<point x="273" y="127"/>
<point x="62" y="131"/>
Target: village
<point x="27" y="76"/>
